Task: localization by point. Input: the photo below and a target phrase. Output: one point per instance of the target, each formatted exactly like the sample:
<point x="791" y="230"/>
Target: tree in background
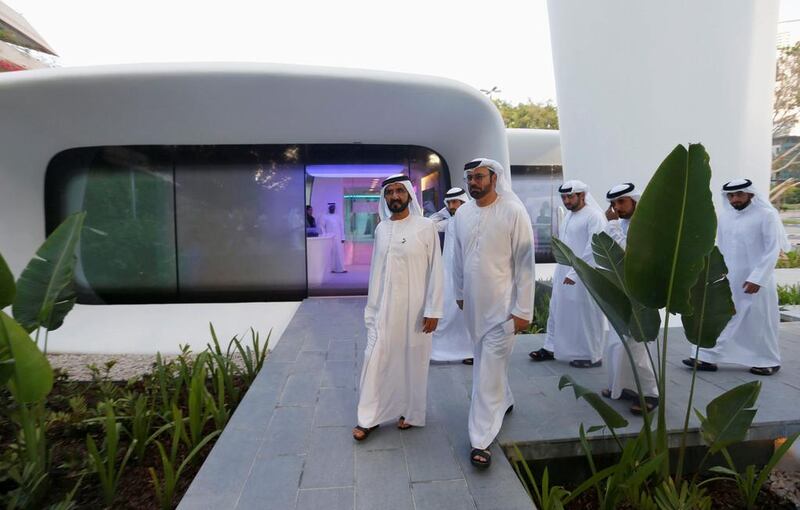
<point x="786" y="148"/>
<point x="528" y="115"/>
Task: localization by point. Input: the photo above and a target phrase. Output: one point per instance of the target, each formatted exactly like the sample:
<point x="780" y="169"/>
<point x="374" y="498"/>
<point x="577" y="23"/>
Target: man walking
<point x="451" y="341"/>
<point x="404" y="304"/>
<point x="493" y="279"/>
<point x="575" y="326"/>
<point x="750" y="236"/>
<point x="622" y="200"/>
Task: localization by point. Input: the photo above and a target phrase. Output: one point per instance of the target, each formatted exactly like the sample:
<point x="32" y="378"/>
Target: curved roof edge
<point x="534" y="147"/>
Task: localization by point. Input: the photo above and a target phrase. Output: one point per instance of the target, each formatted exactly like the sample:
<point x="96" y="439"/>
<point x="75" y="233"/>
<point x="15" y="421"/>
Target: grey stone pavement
<point x="289" y="445"/>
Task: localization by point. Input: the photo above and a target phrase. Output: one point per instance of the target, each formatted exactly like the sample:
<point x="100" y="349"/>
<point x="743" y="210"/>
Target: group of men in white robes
<point x="489" y="258"/>
<point x="470" y="301"/>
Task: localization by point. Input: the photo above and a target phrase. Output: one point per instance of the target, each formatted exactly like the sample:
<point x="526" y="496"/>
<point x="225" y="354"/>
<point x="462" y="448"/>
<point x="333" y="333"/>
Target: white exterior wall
<point x="47" y="111"/>
<point x="636" y="78"/>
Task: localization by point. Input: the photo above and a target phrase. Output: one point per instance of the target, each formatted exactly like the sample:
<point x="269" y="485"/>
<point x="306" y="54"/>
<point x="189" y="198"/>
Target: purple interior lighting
<point x="354" y="171"/>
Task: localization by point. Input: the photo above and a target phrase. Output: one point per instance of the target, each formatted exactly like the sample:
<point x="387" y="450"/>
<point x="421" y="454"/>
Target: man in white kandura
<point x="750" y="236"/>
<point x="331" y="224"/>
<point x="404" y="304"/>
<point x="575" y="326"/>
<point x="451" y="341"/>
<point x="622" y="200"/>
<point x="493" y="279"/>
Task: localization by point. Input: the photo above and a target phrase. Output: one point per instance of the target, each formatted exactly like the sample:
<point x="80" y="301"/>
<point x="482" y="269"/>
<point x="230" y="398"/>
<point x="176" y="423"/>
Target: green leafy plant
<point x="750" y="481"/>
<point x="104" y="462"/>
<point x="789" y="294"/>
<point x="253" y="355"/>
<point x="164" y="486"/>
<point x="670" y="262"/>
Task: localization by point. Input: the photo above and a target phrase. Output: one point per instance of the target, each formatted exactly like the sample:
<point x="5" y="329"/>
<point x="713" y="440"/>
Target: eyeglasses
<point x="469" y="177"/>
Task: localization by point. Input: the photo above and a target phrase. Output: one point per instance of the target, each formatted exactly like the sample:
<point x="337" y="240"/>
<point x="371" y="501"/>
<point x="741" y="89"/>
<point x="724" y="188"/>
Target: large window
<point x="217" y="223"/>
<point x="537" y="187"/>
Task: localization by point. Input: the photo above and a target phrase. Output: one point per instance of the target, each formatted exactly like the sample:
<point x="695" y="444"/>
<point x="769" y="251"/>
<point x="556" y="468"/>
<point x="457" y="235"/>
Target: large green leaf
<point x="672" y="231"/>
<point x="612" y="418"/>
<point x="712" y="303"/>
<point x="44" y="290"/>
<point x="645" y="323"/>
<point x="611" y="299"/>
<point x="728" y="417"/>
<point x="31" y="376"/>
<point x="7" y="287"/>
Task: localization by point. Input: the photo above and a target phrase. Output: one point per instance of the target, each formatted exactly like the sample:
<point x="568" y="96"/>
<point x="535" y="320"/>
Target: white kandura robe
<point x="331" y="224"/>
<point x="576" y="325"/>
<point x="451" y="340"/>
<point x="749" y="242"/>
<point x="494" y="275"/>
<point x="441" y="219"/>
<point x="620" y="373"/>
<point x="405" y="285"/>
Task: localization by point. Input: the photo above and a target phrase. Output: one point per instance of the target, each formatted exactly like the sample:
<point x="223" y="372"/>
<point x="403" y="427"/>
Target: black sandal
<point x="650" y="402"/>
<point x="487" y="458"/>
<point x="585" y="363"/>
<point x="541" y="355"/>
<point x="363" y="430"/>
<point x="702" y="366"/>
<point x="468" y="361"/>
<point x="405" y="425"/>
<point x="765" y="370"/>
<point x="510" y="409"/>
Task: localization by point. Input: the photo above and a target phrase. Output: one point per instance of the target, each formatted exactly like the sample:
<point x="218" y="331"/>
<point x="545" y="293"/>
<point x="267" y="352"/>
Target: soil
<point x="69" y="454"/>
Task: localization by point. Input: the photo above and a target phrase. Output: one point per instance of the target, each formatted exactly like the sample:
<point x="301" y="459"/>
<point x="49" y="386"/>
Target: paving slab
<point x="288" y="445"/>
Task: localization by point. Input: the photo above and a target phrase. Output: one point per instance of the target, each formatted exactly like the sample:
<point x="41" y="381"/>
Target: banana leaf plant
<point x="670" y="262"/>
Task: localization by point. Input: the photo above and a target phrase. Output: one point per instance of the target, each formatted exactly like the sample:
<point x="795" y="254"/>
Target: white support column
<point x="635" y="78"/>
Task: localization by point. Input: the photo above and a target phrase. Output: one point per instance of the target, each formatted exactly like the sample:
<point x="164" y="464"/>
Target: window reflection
<point x="537" y="187"/>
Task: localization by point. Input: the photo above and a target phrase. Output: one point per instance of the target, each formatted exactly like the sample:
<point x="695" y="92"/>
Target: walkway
<point x="288" y="446"/>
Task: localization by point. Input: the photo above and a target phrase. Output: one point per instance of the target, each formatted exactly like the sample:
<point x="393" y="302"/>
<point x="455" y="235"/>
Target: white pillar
<point x="636" y="77"/>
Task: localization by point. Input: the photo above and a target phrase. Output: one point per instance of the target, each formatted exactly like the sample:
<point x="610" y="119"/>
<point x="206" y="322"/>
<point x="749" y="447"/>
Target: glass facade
<point x="537" y="187"/>
<point x="219" y="223"/>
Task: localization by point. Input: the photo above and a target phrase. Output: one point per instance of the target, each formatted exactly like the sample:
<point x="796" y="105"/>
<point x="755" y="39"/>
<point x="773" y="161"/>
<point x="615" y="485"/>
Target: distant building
<point x="21" y="47"/>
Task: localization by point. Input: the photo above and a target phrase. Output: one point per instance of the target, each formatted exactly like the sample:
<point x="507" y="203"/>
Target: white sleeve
<point x="435" y="295"/>
<point x="458" y="260"/>
<point x="594" y="225"/>
<point x="522" y="252"/>
<point x="614" y="229"/>
<point x="765" y="265"/>
<point x="440" y="218"/>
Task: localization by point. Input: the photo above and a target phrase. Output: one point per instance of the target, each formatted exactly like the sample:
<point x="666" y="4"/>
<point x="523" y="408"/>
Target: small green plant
<point x="789" y="260"/>
<point x="750" y="481"/>
<point x="104" y="462"/>
<point x="164" y="486"/>
<point x="541" y="306"/>
<point x="789" y="294"/>
<point x="252" y="355"/>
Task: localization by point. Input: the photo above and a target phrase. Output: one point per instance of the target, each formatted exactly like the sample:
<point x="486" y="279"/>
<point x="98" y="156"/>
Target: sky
<point x="502" y="43"/>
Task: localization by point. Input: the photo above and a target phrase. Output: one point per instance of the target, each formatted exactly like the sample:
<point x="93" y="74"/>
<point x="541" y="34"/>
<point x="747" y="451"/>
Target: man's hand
<point x="567" y="281"/>
<point x="520" y="324"/>
<point x="460" y="303"/>
<point x="751" y="288"/>
<point x="429" y="325"/>
<point x="611" y="214"/>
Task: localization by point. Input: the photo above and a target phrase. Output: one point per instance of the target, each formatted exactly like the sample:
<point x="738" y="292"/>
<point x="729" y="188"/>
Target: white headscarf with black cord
<point x="413" y="206"/>
<point x="503" y="186"/>
<point x="456" y="194"/>
<point x="746" y="186"/>
<point x="576" y="186"/>
<point x="626" y="189"/>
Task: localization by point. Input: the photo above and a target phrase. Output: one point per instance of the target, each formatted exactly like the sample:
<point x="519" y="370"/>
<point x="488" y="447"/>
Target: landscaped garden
<point x="102" y="443"/>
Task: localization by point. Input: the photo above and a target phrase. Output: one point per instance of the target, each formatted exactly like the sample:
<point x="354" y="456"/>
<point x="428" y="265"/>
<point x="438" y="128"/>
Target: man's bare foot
<point x="402" y="425"/>
<point x="361" y="433"/>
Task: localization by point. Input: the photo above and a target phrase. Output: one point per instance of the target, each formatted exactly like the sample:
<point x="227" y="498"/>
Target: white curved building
<point x="198" y="175"/>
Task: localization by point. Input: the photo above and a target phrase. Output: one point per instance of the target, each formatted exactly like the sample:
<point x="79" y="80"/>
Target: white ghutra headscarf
<point x="746" y="186"/>
<point x="626" y="189"/>
<point x="413" y="205"/>
<point x="503" y="186"/>
<point x="576" y="186"/>
<point x="456" y="194"/>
